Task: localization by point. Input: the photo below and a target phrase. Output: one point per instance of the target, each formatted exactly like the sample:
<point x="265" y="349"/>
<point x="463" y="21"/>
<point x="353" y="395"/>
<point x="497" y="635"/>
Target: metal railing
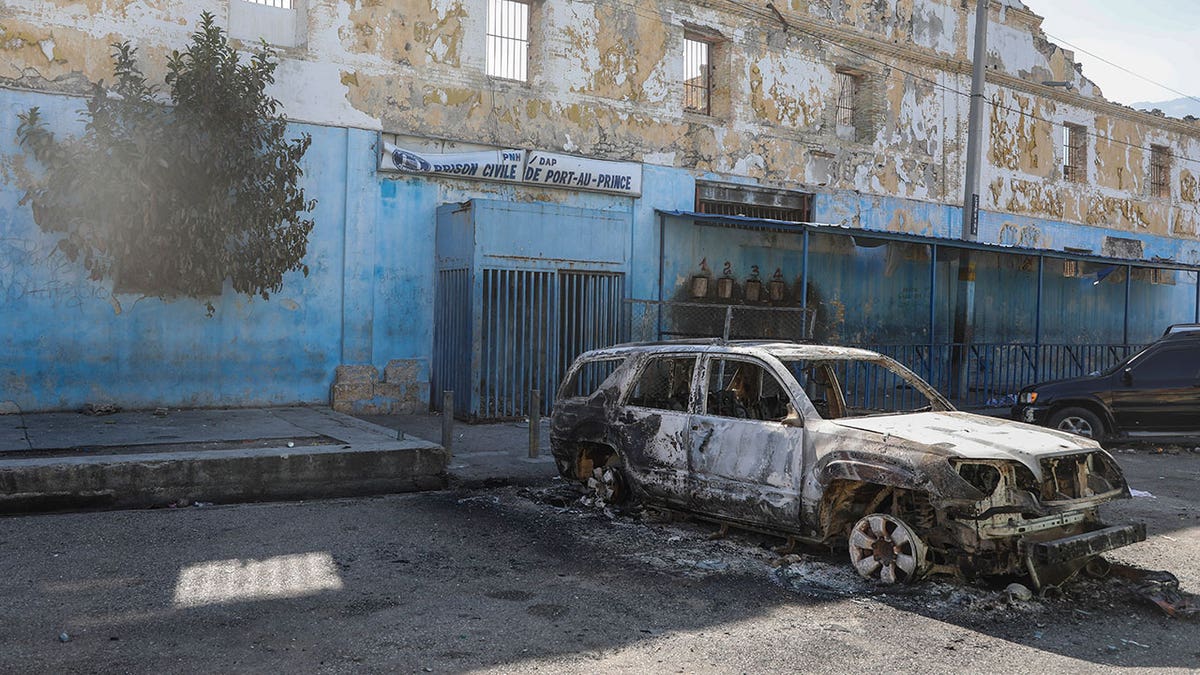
<point x="995" y="372"/>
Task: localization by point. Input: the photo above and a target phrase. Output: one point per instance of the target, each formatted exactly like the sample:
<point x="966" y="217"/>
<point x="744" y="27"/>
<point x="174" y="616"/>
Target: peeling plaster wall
<point x="605" y="82"/>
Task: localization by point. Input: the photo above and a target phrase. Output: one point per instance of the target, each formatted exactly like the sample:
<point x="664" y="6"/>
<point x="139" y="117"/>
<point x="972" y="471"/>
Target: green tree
<point x="170" y="199"/>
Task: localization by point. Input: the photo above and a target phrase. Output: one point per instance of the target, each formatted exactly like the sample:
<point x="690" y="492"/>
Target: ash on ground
<point x="670" y="543"/>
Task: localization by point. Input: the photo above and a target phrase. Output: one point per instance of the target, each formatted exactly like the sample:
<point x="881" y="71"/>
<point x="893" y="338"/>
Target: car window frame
<point x="622" y="363"/>
<point x="1149" y="354"/>
<point x="641" y="368"/>
<point x="786" y="384"/>
<point x="939" y="403"/>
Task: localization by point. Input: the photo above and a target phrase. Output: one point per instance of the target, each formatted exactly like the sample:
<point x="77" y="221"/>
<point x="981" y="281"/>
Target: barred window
<point x="1074" y="152"/>
<point x="281" y="4"/>
<point x="739" y="200"/>
<point x="847" y="87"/>
<point x="697" y="76"/>
<point x="1160" y="171"/>
<point x="508" y="40"/>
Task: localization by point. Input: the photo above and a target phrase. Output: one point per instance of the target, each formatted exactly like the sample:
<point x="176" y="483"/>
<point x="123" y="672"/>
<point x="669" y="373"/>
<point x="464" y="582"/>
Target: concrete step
<point x="214" y="456"/>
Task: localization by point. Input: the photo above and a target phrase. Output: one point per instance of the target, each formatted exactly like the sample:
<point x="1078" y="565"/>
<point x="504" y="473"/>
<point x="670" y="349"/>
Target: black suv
<point x="1153" y="394"/>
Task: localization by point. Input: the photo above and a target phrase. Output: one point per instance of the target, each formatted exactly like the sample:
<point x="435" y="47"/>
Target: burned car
<point x="835" y="446"/>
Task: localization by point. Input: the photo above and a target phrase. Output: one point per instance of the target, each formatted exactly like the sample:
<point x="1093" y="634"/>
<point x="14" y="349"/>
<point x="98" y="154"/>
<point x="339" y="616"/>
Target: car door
<point x="653" y="428"/>
<point x="1158" y="392"/>
<point x="746" y="462"/>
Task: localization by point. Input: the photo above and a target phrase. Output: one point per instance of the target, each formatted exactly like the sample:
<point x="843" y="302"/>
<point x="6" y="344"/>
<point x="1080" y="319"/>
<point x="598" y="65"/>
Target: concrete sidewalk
<point x="69" y="460"/>
<point x="482" y="454"/>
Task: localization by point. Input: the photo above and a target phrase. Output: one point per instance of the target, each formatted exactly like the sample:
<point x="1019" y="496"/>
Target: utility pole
<point x="964" y="307"/>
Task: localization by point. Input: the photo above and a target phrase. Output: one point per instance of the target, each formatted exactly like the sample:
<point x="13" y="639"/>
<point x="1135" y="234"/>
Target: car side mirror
<point x="1127" y="376"/>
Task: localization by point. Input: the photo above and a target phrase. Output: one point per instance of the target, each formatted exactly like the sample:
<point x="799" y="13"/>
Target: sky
<point x="1159" y="39"/>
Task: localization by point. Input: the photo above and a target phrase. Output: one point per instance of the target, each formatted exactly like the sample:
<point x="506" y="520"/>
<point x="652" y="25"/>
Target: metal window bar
<point x="755" y="210"/>
<point x="279" y="4"/>
<point x="697" y="79"/>
<point x="508" y="40"/>
<point x="1074" y="152"/>
<point x="847" y="94"/>
<point x="1160" y="171"/>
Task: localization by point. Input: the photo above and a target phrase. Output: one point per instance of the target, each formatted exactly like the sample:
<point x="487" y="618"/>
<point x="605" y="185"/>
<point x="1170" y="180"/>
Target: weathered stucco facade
<point x="605" y="81"/>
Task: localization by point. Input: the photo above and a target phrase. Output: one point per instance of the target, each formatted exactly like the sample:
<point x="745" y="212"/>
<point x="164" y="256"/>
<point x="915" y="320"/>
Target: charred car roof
<point x="777" y="348"/>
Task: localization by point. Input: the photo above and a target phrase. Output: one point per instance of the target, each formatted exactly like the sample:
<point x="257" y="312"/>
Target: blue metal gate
<point x="530" y="327"/>
<point x="452" y="336"/>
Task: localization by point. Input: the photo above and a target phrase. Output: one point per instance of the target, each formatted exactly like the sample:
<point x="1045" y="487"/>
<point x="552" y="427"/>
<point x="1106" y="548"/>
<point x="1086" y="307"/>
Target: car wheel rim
<point x="885" y="549"/>
<point x="1076" y="425"/>
<point x="604" y="485"/>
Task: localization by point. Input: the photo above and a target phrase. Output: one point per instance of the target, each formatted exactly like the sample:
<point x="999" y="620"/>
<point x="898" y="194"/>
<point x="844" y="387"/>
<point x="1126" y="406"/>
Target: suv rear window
<point x="589" y="376"/>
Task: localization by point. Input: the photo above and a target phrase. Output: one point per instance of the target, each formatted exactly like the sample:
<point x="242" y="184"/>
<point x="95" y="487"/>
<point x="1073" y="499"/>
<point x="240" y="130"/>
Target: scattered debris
<point x="712" y="565"/>
<point x="99" y="409"/>
<point x="480" y="498"/>
<point x="790" y="559"/>
<point x="64" y="637"/>
<point x="1141" y="493"/>
<point x="290" y="444"/>
<point x="1018" y="592"/>
<point x="160" y="412"/>
<point x="1134" y="643"/>
<point x="1166" y="594"/>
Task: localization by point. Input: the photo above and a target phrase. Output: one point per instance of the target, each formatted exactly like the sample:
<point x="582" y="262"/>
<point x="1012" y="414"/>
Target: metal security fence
<point x="995" y="373"/>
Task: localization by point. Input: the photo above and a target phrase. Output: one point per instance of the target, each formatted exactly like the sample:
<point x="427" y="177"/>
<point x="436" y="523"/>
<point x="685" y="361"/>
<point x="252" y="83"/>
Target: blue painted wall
<point x="66" y="341"/>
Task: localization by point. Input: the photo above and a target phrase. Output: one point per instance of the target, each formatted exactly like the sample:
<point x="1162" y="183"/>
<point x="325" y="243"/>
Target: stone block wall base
<point x="358" y="390"/>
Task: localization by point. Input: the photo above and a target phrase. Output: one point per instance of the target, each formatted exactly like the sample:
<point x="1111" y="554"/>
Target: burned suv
<point x="828" y="444"/>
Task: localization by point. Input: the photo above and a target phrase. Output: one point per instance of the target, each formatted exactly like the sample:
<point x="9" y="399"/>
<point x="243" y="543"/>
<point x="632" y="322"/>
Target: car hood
<point x="960" y="434"/>
<point x="1083" y="384"/>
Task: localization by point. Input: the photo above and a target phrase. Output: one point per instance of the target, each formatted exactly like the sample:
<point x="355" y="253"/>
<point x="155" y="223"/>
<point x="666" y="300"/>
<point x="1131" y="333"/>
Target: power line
<point x="766" y="14"/>
<point x="1120" y="67"/>
<point x="1097" y="136"/>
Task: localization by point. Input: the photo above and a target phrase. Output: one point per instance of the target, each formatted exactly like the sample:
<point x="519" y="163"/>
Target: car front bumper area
<point x="1054" y="561"/>
<point x="1030" y="414"/>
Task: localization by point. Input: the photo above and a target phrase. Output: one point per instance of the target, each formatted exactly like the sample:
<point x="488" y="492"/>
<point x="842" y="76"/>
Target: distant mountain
<point x="1180" y="107"/>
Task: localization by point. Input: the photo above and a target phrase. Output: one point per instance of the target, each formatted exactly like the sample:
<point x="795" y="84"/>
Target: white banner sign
<point x="550" y="168"/>
<point x="487" y="164"/>
<point x="534" y="167"/>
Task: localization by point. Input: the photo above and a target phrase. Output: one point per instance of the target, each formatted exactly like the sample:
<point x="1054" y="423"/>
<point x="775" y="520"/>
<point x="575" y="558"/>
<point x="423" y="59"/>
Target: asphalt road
<point x="508" y="579"/>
